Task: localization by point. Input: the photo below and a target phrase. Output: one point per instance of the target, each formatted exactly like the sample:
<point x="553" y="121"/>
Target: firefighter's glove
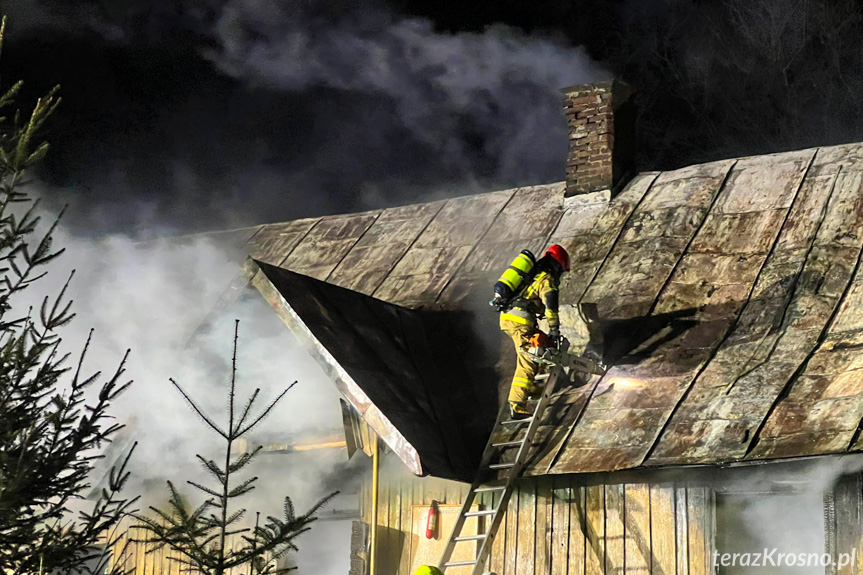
<point x="554" y="336"/>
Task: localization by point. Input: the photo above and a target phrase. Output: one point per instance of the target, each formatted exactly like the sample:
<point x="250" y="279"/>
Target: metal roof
<point x="729" y="293"/>
<point x="386" y="362"/>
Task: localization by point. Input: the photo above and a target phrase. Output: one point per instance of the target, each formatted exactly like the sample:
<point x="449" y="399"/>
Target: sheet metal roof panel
<point x="707" y="277"/>
<point x="421" y="275"/>
<point x="383" y="359"/>
<point x="530" y="212"/>
<point x="463" y="221"/>
<point x="764" y="183"/>
<point x="374" y="255"/>
<point x="275" y="242"/>
<point x="793" y="445"/>
<point x="329" y="240"/>
<point x="525" y="222"/>
<point x="693" y="186"/>
<point x="589" y="231"/>
<point x="843" y="207"/>
<point x="742" y="364"/>
<point x="642" y="266"/>
<point x="740" y="233"/>
<point x="830" y="159"/>
<point x="706" y="300"/>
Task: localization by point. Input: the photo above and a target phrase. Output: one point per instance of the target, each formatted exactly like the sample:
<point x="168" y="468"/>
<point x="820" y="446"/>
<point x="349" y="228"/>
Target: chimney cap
<point x="621" y="91"/>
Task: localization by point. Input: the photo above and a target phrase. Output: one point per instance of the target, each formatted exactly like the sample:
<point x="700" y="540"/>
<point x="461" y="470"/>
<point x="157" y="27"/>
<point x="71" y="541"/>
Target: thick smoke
<point x="232" y="113"/>
<point x="210" y="106"/>
<point x="496" y="87"/>
<point x="181" y="116"/>
<point x="778" y="506"/>
<point x="153" y="298"/>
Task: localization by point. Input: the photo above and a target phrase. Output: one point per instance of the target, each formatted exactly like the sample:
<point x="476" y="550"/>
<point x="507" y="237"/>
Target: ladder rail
<point x="494" y="525"/>
<point x="471" y="495"/>
<point x="513" y="472"/>
<point x="533" y="427"/>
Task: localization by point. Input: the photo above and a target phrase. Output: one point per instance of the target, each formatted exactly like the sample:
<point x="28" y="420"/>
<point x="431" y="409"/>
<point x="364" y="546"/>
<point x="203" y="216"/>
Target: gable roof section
<point x="729" y="293"/>
<point x="386" y="360"/>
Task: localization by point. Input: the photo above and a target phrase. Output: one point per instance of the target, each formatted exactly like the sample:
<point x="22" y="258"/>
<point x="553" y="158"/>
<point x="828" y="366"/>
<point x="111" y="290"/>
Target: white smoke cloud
<point x="500" y="84"/>
<point x="151" y="297"/>
<point x="778" y="506"/>
<point x="481" y="107"/>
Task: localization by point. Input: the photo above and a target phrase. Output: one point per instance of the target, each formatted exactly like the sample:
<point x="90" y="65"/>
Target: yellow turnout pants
<point x="525" y="370"/>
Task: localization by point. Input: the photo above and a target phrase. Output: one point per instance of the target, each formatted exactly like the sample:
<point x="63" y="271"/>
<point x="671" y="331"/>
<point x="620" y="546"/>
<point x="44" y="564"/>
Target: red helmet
<point x="559" y="255"/>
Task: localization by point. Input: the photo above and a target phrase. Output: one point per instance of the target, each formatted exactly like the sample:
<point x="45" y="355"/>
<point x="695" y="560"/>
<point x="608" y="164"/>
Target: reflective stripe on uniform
<point x="522" y="382"/>
<point x="532" y="290"/>
<point x="518" y="407"/>
<point x="513" y="315"/>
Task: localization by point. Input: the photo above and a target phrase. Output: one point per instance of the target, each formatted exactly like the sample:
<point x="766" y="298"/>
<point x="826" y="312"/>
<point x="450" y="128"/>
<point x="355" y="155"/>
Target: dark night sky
<point x="187" y="115"/>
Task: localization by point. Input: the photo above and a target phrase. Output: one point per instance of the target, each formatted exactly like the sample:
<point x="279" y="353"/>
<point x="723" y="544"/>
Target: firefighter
<point x="428" y="570"/>
<point x="519" y="321"/>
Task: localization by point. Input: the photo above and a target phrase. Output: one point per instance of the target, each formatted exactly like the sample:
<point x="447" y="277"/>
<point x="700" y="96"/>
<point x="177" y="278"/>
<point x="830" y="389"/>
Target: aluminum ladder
<point x="503" y="441"/>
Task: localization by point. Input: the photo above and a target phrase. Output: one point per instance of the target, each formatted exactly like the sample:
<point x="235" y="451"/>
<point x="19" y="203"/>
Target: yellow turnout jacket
<point x="540" y="298"/>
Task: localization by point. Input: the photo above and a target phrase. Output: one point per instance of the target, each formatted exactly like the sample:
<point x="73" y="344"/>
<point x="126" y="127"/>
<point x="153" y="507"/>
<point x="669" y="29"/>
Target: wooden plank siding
<point x="136" y="553"/>
<point x="397" y="494"/>
<point x="556" y="525"/>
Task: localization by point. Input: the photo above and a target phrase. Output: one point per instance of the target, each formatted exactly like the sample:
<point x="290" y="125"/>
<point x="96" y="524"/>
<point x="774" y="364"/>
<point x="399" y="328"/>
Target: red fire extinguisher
<point x="431" y="521"/>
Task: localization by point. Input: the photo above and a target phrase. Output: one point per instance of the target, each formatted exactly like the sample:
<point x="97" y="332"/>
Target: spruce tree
<point x="53" y="417"/>
<point x="201" y="535"/>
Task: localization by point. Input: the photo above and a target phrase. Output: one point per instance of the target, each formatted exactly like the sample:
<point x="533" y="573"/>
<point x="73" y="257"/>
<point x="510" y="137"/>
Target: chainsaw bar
<point x="566" y="360"/>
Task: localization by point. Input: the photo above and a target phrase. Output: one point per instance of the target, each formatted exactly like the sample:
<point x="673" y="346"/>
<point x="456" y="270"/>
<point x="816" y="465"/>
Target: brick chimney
<point x="601" y="122"/>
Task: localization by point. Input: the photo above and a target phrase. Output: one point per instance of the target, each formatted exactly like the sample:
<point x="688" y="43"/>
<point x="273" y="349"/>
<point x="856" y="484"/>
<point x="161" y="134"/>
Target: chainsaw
<point x="545" y="351"/>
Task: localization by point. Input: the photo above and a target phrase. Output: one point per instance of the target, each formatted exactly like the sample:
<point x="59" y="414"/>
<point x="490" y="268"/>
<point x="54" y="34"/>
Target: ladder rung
<point x="507" y="443"/>
<point x="479" y="537"/>
<point x="459" y="563"/>
<point x="517" y="421"/>
<point x="480" y="513"/>
<point x="500" y="483"/>
<point x="490" y="488"/>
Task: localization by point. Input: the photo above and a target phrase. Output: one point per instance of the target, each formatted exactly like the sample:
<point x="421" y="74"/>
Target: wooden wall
<point x="397" y="494"/>
<point x="138" y="555"/>
<point x="556" y="526"/>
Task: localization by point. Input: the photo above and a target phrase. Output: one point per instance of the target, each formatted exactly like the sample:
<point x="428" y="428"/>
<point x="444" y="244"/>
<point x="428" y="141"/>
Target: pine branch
<point x="201" y="537"/>
<point x="213" y="468"/>
<point x="243" y="460"/>
<point x="242" y="488"/>
<point x="48" y="440"/>
<point x="248" y="407"/>
<point x="266" y="411"/>
<point x="205" y="489"/>
<point x="200" y="413"/>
